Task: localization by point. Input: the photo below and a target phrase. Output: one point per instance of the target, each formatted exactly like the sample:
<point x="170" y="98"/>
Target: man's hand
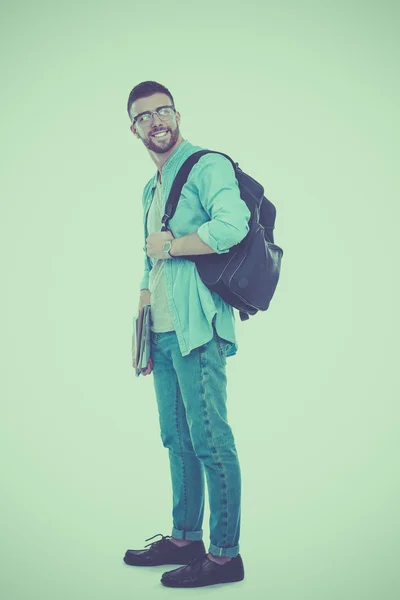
<point x="145" y="298"/>
<point x="149" y="367"/>
<point x="155" y="243"/>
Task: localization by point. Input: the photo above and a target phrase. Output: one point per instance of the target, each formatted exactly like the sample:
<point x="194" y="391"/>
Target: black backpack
<point x="247" y="275"/>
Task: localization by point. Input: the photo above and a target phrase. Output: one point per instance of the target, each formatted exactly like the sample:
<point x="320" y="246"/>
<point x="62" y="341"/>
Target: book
<point x="141" y="339"/>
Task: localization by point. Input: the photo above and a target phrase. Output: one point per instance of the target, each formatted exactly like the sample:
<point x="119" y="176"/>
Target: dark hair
<point x="145" y="89"/>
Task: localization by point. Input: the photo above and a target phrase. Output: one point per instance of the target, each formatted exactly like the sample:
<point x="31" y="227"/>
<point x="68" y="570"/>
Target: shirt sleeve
<point x="144" y="282"/>
<point x="219" y="195"/>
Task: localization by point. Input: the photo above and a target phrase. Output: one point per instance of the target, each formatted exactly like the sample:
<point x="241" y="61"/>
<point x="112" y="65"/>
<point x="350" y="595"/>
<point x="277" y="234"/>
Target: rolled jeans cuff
<point x="232" y="551"/>
<point x="187" y="535"/>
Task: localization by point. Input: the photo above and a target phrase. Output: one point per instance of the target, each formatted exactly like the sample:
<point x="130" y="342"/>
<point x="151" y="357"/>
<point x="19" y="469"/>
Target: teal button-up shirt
<point x="210" y="204"/>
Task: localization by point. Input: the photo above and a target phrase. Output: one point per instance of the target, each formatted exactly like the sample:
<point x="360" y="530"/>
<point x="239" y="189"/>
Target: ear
<point x="134" y="131"/>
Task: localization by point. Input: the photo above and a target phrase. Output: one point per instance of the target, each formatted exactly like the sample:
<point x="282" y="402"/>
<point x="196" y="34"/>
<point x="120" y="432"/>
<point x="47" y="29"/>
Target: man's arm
<point x="144" y="286"/>
<point x="189" y="244"/>
<point x="229" y="215"/>
<point x="145" y="298"/>
<point x="219" y="193"/>
<point x="144" y="282"/>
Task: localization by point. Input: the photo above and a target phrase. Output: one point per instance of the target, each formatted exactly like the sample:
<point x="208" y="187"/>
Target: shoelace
<point x="163" y="538"/>
<point x="200" y="562"/>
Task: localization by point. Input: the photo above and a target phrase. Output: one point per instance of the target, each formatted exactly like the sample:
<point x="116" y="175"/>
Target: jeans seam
<point x="219" y="463"/>
<point x="182" y="457"/>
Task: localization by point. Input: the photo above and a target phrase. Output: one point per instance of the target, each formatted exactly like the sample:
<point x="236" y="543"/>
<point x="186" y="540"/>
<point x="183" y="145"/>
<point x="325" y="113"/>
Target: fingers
<point x="149" y="367"/>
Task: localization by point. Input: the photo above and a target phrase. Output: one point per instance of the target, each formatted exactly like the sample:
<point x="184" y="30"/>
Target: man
<point x="193" y="332"/>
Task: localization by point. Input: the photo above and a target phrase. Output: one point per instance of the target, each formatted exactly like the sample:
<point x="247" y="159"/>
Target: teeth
<point x="160" y="134"/>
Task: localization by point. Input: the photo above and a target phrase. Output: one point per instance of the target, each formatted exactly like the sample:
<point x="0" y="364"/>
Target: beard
<point x="162" y="145"/>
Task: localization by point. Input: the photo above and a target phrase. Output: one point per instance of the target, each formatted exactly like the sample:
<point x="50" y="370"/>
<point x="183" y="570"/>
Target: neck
<point x="161" y="159"/>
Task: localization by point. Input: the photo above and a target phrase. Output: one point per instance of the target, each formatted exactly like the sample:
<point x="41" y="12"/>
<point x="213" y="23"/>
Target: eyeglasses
<point x="145" y="118"/>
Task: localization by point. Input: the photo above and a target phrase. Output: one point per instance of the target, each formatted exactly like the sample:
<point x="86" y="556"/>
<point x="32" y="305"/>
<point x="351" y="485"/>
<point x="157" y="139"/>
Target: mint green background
<point x="304" y="96"/>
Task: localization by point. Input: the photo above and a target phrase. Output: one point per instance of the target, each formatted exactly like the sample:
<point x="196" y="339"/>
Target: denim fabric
<point x="191" y="397"/>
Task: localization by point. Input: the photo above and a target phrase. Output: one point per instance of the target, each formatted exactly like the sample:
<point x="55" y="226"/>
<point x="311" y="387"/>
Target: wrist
<point x="171" y="250"/>
<point x="167" y="249"/>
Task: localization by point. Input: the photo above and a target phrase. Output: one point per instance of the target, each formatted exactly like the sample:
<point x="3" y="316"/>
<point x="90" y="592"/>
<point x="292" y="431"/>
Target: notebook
<point x="141" y="340"/>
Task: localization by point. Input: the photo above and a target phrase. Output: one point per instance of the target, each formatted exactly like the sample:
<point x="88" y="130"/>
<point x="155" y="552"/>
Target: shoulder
<point x="215" y="160"/>
<point x="213" y="165"/>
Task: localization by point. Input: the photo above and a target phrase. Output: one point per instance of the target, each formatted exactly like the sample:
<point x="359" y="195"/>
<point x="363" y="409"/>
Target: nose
<point x="153" y="124"/>
<point x="154" y="115"/>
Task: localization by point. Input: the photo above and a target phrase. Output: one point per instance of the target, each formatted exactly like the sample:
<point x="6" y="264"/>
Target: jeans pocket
<point x="221" y="345"/>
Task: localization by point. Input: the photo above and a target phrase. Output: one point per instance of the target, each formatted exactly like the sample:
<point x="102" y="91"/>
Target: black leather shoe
<point x="165" y="552"/>
<point x="203" y="571"/>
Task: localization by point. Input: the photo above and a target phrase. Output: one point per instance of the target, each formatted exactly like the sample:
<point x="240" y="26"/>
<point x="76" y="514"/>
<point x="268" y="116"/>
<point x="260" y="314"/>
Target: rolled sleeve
<point x="219" y="195"/>
<point x="205" y="235"/>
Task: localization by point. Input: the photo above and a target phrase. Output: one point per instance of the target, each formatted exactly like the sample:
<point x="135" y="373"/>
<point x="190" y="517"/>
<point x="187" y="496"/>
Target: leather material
<point x="165" y="552"/>
<point x="203" y="571"/>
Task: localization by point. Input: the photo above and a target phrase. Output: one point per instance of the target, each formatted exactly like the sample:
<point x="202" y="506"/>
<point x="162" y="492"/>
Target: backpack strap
<point x="180" y="180"/>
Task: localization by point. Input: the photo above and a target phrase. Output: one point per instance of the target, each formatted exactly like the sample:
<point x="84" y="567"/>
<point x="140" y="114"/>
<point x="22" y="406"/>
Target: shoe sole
<point x="154" y="564"/>
<point x="190" y="585"/>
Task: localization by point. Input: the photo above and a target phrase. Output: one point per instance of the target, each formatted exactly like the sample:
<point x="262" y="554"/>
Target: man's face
<point x="146" y="131"/>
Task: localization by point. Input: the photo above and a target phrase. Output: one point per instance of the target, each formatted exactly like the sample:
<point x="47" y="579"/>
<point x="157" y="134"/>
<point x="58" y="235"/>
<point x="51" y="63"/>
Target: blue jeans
<point x="191" y="397"/>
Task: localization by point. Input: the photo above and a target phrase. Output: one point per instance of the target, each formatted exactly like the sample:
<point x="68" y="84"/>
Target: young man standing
<point x="193" y="332"/>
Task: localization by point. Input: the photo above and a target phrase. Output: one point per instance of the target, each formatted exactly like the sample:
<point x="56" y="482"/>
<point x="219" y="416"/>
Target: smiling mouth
<point x="160" y="134"/>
